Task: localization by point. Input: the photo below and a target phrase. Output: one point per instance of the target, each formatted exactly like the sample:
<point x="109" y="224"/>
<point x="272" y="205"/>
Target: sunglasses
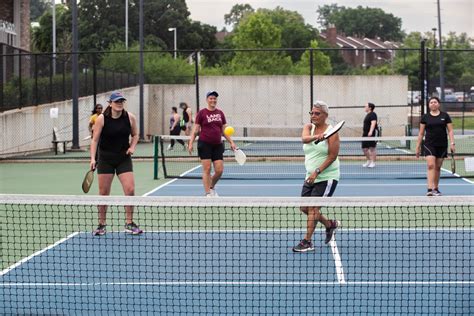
<point x="315" y="113"/>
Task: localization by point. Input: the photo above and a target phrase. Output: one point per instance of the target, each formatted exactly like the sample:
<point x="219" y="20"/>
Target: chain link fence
<point x="262" y="92"/>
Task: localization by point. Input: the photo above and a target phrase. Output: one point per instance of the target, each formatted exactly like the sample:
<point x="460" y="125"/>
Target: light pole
<point x="173" y="29"/>
<point x="126" y="24"/>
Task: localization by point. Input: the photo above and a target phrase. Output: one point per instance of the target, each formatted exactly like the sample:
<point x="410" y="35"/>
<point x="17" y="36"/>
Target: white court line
<point x="337" y="261"/>
<point x="5" y="271"/>
<point x="222" y="183"/>
<point x="171" y="181"/>
<point x="227" y="283"/>
<point x="299" y="230"/>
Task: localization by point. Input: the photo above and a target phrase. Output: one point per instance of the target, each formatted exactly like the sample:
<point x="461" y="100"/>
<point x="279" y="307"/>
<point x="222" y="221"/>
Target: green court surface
<point x="65" y="178"/>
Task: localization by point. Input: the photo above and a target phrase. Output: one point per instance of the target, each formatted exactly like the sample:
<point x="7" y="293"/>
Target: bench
<point x="58" y="143"/>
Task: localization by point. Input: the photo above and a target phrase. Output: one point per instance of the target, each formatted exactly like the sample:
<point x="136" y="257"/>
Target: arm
<point x="190" y="114"/>
<point x="451" y="137"/>
<point x="196" y="129"/>
<point x="306" y="136"/>
<point x="99" y="124"/>
<point x="228" y="138"/>
<point x="372" y="127"/>
<point x="420" y="138"/>
<point x="134" y="134"/>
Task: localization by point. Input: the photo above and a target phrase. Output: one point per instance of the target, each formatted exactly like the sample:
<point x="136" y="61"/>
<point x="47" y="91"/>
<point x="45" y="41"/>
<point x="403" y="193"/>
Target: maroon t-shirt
<point x="211" y="123"/>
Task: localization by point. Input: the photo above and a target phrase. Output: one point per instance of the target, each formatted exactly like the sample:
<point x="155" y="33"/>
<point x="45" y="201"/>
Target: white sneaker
<point x="169" y="147"/>
<point x="213" y="193"/>
<point x="366" y="164"/>
<point x="371" y="165"/>
<point x="208" y="195"/>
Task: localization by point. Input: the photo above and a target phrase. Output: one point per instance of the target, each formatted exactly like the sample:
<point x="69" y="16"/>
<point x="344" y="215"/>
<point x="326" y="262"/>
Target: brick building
<point x="363" y="52"/>
<point x="15" y="23"/>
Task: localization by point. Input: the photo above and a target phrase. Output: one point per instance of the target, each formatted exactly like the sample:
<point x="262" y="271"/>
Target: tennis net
<point x="392" y="255"/>
<point x="283" y="158"/>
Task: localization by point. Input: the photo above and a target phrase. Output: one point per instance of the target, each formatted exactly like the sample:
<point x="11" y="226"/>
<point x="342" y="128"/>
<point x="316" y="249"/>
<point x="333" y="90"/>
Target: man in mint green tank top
<point x="322" y="172"/>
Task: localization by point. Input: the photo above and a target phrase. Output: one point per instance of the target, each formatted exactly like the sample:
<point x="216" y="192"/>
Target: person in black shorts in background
<point x="433" y="126"/>
<point x="175" y="129"/>
<point x="370" y="129"/>
<point x="111" y="138"/>
<point x="187" y="118"/>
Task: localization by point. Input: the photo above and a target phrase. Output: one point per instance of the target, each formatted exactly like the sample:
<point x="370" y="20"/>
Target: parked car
<point x="459" y="96"/>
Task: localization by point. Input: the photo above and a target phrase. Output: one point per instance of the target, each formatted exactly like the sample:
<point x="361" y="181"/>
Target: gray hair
<point x="322" y="105"/>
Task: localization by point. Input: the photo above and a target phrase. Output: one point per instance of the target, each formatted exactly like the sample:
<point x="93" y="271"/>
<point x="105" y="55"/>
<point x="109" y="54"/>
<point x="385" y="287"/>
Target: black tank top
<point x="115" y="136"/>
<point x="185" y="115"/>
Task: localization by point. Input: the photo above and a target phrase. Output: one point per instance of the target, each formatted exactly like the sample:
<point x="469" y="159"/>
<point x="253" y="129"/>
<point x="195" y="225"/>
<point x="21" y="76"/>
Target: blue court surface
<point x="362" y="271"/>
<point x="387" y="178"/>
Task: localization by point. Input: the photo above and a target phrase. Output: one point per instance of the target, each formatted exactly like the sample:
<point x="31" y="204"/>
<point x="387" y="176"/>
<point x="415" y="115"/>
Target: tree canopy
<point x="361" y="22"/>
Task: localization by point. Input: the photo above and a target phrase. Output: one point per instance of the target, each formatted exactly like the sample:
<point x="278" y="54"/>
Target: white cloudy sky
<point x="416" y="15"/>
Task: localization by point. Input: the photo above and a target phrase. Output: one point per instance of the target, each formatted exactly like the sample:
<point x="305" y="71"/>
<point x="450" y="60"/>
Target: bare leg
<point x="105" y="182"/>
<point x="128" y="184"/>
<point x="314" y="216"/>
<point x="431" y="171"/>
<point x="372" y="153"/>
<point x="437" y="173"/>
<point x="218" y="170"/>
<point x="206" y="174"/>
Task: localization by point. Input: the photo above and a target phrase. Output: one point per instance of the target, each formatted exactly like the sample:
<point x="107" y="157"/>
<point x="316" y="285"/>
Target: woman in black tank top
<point x="112" y="142"/>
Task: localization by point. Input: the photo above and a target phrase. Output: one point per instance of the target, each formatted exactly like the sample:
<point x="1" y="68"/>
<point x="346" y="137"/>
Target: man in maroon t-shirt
<point x="210" y="122"/>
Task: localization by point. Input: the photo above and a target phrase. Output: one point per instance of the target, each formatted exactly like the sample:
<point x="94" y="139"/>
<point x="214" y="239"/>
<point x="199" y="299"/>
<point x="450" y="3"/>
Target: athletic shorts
<point x="210" y="151"/>
<point x="369" y="144"/>
<point x="437" y="151"/>
<point x="113" y="163"/>
<point x="319" y="189"/>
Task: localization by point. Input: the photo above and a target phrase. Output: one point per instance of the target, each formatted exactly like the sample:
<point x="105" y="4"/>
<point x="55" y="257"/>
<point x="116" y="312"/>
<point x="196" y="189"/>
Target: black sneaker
<point x="436" y="192"/>
<point x="304" y="246"/>
<point x="133" y="229"/>
<point x="99" y="231"/>
<point x="429" y="192"/>
<point x="330" y="231"/>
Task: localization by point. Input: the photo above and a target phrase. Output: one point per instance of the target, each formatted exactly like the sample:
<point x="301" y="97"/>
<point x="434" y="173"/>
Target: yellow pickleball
<point x="229" y="131"/>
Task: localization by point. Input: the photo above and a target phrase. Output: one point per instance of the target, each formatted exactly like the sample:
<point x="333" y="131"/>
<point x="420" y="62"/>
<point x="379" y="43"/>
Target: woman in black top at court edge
<point x="370" y="129"/>
<point x="118" y="134"/>
<point x="433" y="126"/>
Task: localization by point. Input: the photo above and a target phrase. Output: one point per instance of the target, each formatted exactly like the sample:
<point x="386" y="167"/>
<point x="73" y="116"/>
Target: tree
<point x="294" y="32"/>
<point x="42" y="37"/>
<point x="325" y="12"/>
<point x="258" y="31"/>
<point x="237" y="13"/>
<point x="38" y="8"/>
<point x="362" y="22"/>
<point x="321" y="62"/>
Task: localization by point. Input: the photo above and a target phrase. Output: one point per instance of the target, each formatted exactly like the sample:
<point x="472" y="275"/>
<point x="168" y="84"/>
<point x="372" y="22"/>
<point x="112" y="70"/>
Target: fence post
<point x="422" y="77"/>
<point x="36" y="80"/>
<point x="311" y="79"/>
<point x="196" y="77"/>
<point x="1" y="75"/>
<point x="50" y="80"/>
<point x="20" y="80"/>
<point x="94" y="78"/>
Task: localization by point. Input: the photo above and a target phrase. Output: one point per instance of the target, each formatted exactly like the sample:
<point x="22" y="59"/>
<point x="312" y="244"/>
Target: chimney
<point x="331" y="34"/>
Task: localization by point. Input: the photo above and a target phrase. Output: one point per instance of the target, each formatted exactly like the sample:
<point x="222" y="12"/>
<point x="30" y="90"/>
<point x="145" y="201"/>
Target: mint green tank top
<point x="315" y="155"/>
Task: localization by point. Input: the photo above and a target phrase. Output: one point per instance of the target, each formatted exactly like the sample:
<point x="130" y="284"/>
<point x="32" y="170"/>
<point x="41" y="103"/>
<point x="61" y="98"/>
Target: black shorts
<point x="324" y="188"/>
<point x="113" y="163"/>
<point x="369" y="144"/>
<point x="437" y="151"/>
<point x="210" y="151"/>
